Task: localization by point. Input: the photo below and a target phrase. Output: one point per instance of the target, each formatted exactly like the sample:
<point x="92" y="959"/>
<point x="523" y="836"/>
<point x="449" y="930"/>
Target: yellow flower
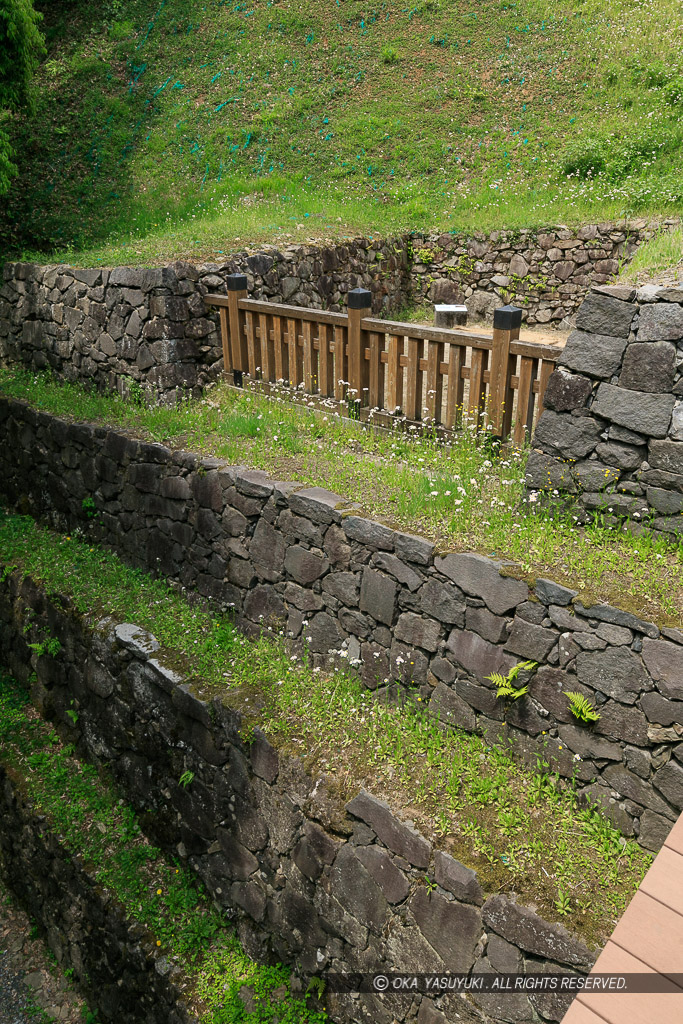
<point x="158" y="892"/>
<point x="158" y="942"/>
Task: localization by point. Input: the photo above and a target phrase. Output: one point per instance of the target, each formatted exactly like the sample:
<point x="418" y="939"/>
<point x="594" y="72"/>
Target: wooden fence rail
<point x="428" y="374"/>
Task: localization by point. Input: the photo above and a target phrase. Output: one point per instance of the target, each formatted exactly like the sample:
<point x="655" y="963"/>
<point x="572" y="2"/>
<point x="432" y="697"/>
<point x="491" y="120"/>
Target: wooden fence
<point x="428" y="374"/>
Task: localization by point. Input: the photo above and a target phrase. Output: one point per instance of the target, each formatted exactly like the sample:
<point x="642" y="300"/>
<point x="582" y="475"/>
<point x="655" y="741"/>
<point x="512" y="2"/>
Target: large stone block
<point x="617" y="672"/>
<point x="622" y="456"/>
<point x="529" y="932"/>
<point x="452" y="929"/>
<point x="649" y="367"/>
<point x="378" y="596"/>
<point x="304" y="565"/>
<point x="637" y="410"/>
<point x="450" y="874"/>
<point x="477" y="656"/>
<point x="664" y="662"/>
<point x="570" y="437"/>
<point x="543" y="472"/>
<point x="660" y="322"/>
<point x="666" y="456"/>
<point x="399" y="836"/>
<point x="443" y="601"/>
<point x="480" y="577"/>
<point x="669" y="781"/>
<point x="604" y="314"/>
<point x="596" y="355"/>
<point x="451" y="709"/>
<point x="566" y="391"/>
<point x="530" y="641"/>
<point x="629" y="785"/>
<point x="417" y="631"/>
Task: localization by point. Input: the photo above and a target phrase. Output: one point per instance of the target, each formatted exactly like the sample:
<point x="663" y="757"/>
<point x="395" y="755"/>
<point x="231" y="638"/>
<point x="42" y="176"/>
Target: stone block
<point x="530" y="641"/>
<point x="661" y="711"/>
<point x="398" y="836"/>
<point x="566" y="391"/>
<point x="549" y="592"/>
<point x="649" y="367"/>
<point x="622" y="456"/>
<point x="569" y="437"/>
<point x="477" y="656"/>
<point x="629" y="785"/>
<point x="393" y="565"/>
<point x="586" y="743"/>
<point x="452" y="929"/>
<point x="660" y="322"/>
<point x="604" y="314"/>
<point x="481" y="577"/>
<point x="493" y="628"/>
<point x="666" y="456"/>
<point x="443" y="601"/>
<point x="617" y="672"/>
<point x="669" y="781"/>
<point x="368" y="532"/>
<point x="595" y="355"/>
<point x="529" y="932"/>
<point x="378" y="596"/>
<point x="664" y="661"/>
<point x="417" y="631"/>
<point x="383" y="870"/>
<point x="303" y="565"/>
<point x="323" y="634"/>
<point x="654" y="830"/>
<point x="636" y="410"/>
<point x="451" y="709"/>
<point x="545" y="473"/>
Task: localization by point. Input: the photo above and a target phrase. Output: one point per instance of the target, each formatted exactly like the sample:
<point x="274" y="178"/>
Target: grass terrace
<point x="92" y="821"/>
<point x="518" y="826"/>
<point x="465" y="496"/>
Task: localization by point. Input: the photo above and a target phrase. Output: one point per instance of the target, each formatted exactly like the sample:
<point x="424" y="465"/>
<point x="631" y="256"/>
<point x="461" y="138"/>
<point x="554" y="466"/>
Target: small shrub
<point x="389" y="54"/>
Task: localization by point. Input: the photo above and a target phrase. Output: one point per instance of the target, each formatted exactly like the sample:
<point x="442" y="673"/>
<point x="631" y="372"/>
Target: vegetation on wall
<point x="474" y="799"/>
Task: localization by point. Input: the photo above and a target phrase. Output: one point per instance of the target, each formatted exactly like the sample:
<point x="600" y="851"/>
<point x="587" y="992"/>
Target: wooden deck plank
<point x="634" y="1007"/>
<point x="652" y="933"/>
<point x="664" y="880"/>
<point x="579" y="1013"/>
<point x="674" y="840"/>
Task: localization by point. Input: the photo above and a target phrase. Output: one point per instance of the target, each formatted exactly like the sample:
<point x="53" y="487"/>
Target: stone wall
<point x="111" y="327"/>
<point x="613" y="430"/>
<point x="84" y="927"/>
<point x="546" y="272"/>
<point x="388" y="603"/>
<point x="331" y="887"/>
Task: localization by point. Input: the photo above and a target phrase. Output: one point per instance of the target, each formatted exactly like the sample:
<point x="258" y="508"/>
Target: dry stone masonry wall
<point x="110" y="327"/>
<point x="307" y="880"/>
<point x="113" y="327"/>
<point x="388" y="603"/>
<point x="85" y="928"/>
<point x="546" y="273"/>
<point x="613" y="430"/>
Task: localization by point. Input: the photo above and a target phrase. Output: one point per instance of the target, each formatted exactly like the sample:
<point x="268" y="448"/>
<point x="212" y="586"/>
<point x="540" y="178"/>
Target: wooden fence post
<point x="359" y="301"/>
<point x="238" y="355"/>
<point x="506" y="323"/>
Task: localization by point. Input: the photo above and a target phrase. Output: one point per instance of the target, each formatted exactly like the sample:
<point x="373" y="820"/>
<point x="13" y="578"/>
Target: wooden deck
<point x="647" y="940"/>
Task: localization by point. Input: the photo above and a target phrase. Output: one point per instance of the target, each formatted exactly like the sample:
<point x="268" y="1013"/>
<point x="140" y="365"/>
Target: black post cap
<point x="236" y="282"/>
<point x="359" y="298"/>
<point x="506" y="318"/>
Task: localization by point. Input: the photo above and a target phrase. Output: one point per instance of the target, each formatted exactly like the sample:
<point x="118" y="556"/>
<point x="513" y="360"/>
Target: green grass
<point x="661" y="256"/>
<point x="517" y="826"/>
<point x="166" y="129"/>
<point x="466" y="496"/>
<point x="161" y="896"/>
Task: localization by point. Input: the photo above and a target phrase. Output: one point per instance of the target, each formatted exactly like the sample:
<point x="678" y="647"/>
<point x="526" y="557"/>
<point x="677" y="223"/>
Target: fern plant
<point x="581" y="707"/>
<point x="504" y="684"/>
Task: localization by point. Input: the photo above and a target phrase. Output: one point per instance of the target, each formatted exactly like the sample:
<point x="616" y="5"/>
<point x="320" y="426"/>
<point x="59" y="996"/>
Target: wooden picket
<point x="429" y="375"/>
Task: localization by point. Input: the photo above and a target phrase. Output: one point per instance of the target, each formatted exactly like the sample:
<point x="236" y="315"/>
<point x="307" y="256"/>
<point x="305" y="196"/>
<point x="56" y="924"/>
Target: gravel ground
<point x="33" y="989"/>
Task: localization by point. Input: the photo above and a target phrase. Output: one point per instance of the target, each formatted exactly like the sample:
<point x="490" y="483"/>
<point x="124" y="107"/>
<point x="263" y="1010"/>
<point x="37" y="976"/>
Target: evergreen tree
<point x="21" y="46"/>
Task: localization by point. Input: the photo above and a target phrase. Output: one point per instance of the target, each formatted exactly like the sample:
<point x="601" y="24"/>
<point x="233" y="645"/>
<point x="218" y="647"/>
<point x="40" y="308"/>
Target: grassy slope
<point x="180" y="127"/>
